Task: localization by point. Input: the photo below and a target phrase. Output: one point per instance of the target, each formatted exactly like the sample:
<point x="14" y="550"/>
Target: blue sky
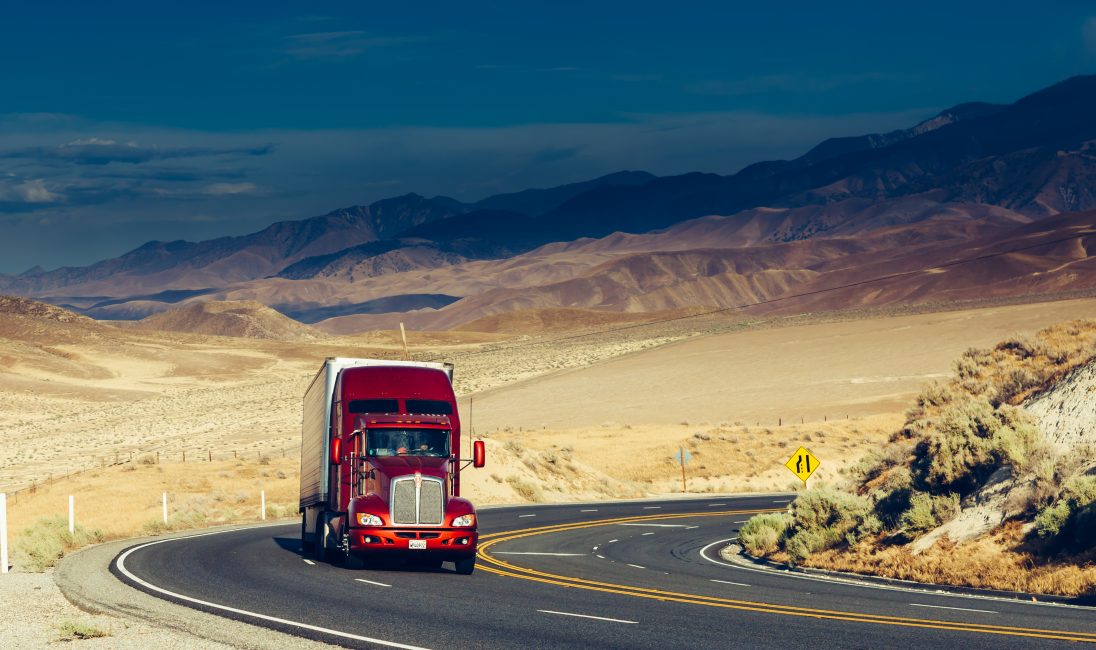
<point x="124" y="122"/>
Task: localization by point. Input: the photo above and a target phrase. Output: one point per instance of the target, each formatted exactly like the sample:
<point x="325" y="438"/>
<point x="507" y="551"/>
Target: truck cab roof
<point x="396" y="421"/>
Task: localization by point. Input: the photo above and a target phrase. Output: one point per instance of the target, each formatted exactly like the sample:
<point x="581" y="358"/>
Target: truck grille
<point x="423" y="504"/>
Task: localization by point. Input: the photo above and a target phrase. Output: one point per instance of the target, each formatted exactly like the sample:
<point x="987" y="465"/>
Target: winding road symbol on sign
<point x="802" y="464"/>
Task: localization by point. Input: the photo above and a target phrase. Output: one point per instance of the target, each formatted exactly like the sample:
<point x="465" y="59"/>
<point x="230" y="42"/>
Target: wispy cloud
<point x="32" y="191"/>
<point x="102" y="151"/>
<point x="338" y="45"/>
<point x="795" y="83"/>
<point x="224" y="189"/>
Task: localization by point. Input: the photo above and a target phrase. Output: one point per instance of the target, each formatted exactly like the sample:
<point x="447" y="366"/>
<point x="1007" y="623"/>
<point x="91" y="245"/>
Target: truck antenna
<point x="403" y="335"/>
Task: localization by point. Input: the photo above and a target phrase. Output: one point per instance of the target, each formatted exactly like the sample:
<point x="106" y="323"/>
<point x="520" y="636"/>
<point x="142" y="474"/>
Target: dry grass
<point x="988" y="563"/>
<point x="125" y="501"/>
<point x="641" y="459"/>
<point x="78" y="631"/>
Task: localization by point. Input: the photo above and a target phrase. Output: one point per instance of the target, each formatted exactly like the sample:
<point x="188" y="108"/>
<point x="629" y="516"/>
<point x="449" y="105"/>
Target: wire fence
<point x="154" y="457"/>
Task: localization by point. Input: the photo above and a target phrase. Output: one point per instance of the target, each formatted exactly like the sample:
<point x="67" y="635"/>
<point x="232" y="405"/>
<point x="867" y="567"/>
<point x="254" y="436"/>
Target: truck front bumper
<point x="450" y="542"/>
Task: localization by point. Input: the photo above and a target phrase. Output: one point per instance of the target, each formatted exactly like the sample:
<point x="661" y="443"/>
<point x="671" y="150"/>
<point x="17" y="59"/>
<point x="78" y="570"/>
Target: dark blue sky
<point x="123" y="122"/>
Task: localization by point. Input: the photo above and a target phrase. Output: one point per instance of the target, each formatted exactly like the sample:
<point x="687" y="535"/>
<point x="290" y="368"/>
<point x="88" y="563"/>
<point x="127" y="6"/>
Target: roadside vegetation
<point x="126" y="501"/>
<point x="967" y="446"/>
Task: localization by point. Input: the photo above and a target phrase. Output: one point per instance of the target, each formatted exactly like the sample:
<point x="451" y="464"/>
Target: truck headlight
<point x="369" y="520"/>
<point x="464" y="521"/>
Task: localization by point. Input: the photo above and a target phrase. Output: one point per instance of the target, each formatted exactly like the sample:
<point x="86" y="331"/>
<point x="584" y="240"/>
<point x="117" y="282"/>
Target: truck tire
<point x="466" y="566"/>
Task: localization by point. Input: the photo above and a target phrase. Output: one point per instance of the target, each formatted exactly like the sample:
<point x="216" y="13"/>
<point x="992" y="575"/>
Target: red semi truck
<point x="380" y="466"/>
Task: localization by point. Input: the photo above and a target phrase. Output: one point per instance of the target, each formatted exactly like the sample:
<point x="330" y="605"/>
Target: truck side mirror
<point x="479" y="454"/>
<point x="336" y="451"/>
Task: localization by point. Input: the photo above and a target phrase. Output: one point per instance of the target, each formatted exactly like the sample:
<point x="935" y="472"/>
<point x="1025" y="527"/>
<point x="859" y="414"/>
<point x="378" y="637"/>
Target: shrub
<point x="1073" y="510"/>
<point x="825" y="518"/>
<point x="47" y="541"/>
<point x="75" y="630"/>
<point x="525" y="488"/>
<point x="763" y="534"/>
<point x="927" y="511"/>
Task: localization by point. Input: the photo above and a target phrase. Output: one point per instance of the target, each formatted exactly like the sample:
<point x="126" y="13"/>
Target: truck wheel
<point x="466" y="566"/>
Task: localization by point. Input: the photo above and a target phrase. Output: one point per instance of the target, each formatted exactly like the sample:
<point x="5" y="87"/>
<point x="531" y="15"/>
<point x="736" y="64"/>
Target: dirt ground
<point x="768" y="376"/>
<point x="589" y="417"/>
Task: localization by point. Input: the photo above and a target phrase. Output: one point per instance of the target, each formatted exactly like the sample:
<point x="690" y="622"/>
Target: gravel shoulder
<point x="83" y="589"/>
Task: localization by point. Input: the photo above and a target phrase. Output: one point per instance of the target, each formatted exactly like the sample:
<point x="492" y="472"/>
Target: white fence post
<point x="165" y="508"/>
<point x="3" y="533"/>
<point x="262" y="494"/>
<point x="72" y="516"/>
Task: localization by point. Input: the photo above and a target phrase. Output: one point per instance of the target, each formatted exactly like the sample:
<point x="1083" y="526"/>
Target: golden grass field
<point x="585" y="418"/>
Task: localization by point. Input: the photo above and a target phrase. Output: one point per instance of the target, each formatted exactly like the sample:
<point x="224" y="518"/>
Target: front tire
<point x="466" y="566"/>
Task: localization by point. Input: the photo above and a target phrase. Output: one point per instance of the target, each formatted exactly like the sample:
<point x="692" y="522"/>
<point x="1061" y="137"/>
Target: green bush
<point x="959" y="449"/>
<point x="1073" y="510"/>
<point x="763" y="534"/>
<point x="47" y="541"/>
<point x="927" y="511"/>
<point x="825" y="518"/>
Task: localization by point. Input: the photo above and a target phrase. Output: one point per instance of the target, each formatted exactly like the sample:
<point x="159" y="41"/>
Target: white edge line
<point x="372" y="582"/>
<point x="596" y="618"/>
<point x="121" y="564"/>
<point x="928" y="590"/>
<point x="660" y="525"/>
<point x="589" y="510"/>
<point x="728" y="582"/>
<point x="960" y="609"/>
<point x="310" y="563"/>
<point x="652" y="507"/>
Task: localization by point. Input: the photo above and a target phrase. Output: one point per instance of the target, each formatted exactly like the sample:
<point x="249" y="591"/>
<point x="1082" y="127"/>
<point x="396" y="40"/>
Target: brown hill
<point x="16" y="306"/>
<point x="245" y="319"/>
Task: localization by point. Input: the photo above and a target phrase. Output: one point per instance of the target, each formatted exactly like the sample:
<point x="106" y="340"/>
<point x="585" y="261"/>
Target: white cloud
<point x="30" y="191"/>
<point x="222" y="189"/>
<point x="92" y="142"/>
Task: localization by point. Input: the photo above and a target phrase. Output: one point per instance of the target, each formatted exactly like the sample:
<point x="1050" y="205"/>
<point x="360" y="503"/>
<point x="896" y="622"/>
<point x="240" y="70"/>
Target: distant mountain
<point x="540" y="201"/>
<point x="1031" y="159"/>
<point x="498" y="226"/>
<point x="217" y="262"/>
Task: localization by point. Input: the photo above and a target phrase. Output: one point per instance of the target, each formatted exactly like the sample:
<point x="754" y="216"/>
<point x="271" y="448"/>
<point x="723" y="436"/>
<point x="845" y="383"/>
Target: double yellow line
<point x="494" y="565"/>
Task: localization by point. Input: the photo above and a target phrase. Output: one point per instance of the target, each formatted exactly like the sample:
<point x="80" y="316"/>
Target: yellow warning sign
<point x="802" y="464"/>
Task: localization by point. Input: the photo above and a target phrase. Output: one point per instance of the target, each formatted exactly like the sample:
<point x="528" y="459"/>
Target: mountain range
<point x="964" y="179"/>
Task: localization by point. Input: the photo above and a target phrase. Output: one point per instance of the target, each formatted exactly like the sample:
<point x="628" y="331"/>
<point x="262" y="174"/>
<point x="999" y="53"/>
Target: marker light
<point x="369" y="520"/>
<point x="464" y="521"/>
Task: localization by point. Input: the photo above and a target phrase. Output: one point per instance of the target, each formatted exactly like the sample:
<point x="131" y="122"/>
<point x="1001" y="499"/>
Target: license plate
<point x="414" y="544"/>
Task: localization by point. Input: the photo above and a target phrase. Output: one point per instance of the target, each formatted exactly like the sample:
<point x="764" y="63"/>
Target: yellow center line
<point x="504" y="568"/>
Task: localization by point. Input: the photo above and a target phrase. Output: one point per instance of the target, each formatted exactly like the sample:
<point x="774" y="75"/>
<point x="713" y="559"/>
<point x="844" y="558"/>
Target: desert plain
<point x="118" y="416"/>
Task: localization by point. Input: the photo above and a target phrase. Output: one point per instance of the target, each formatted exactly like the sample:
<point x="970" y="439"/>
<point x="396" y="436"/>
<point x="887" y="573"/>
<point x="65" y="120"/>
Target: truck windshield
<point x="408" y="442"/>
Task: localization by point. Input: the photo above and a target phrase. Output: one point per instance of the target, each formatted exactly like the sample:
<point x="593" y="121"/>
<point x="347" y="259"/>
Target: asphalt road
<point x="614" y="575"/>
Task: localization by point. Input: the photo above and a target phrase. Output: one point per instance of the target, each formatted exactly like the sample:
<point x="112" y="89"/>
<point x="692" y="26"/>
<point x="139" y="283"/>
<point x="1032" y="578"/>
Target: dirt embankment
<point x="990" y="482"/>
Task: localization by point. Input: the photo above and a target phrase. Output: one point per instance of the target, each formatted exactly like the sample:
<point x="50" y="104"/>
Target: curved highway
<point x="614" y="575"/>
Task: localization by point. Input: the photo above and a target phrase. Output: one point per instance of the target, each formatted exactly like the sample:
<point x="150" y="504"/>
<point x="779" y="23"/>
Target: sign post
<point x="682" y="456"/>
<point x="802" y="464"/>
<point x="72" y="516"/>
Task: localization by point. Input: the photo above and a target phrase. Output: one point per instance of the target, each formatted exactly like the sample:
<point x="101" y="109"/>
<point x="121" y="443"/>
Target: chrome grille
<point x="418" y="505"/>
<point x="430" y="506"/>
